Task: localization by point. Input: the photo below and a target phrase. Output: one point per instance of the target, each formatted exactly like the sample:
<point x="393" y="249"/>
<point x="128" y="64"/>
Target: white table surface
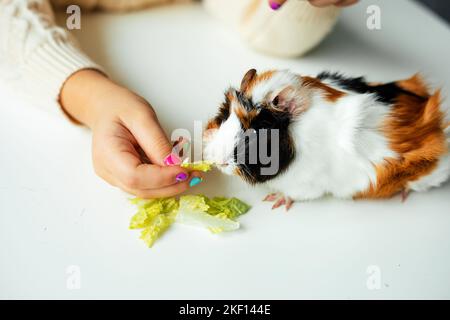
<point x="54" y="211"/>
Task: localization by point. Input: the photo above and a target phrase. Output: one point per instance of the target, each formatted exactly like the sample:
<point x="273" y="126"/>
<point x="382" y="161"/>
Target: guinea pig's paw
<point x="279" y="200"/>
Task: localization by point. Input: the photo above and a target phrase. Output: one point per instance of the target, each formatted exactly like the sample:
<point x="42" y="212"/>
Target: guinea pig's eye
<point x="258" y="106"/>
<point x="275" y="101"/>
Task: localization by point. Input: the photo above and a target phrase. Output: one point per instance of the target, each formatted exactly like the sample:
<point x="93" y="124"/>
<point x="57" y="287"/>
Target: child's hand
<point x="276" y="4"/>
<point x="129" y="146"/>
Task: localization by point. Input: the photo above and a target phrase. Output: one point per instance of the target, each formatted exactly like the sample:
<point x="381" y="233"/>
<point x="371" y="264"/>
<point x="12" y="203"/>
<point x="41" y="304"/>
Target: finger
<point x="150" y="136"/>
<point x="169" y="191"/>
<point x="346" y="3"/>
<point x="276" y="4"/>
<point x="136" y="175"/>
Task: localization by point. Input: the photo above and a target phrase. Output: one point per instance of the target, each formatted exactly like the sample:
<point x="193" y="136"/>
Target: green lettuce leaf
<point x="155" y="216"/>
<point x="194" y="210"/>
<point x="230" y="207"/>
<point x="204" y="166"/>
<point x="155" y="229"/>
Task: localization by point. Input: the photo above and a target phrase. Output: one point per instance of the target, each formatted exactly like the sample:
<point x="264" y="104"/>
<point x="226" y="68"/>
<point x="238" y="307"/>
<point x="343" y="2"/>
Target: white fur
<point x="220" y="148"/>
<point x="438" y="176"/>
<point x="271" y="87"/>
<point x="337" y="146"/>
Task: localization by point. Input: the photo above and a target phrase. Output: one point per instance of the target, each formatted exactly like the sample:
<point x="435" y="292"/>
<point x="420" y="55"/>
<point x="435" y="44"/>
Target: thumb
<point x="151" y="137"/>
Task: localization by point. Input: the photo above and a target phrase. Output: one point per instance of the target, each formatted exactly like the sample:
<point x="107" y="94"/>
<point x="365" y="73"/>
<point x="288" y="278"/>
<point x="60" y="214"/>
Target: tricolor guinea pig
<point x="305" y="137"/>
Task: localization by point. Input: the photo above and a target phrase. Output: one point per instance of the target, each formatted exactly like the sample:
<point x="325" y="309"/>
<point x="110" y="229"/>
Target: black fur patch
<point x="268" y="119"/>
<point x="224" y="111"/>
<point x="386" y="93"/>
<point x="244" y="101"/>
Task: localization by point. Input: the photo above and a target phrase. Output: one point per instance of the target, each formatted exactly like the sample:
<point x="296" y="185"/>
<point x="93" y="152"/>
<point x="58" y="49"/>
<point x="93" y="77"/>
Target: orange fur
<point x="215" y="122"/>
<point x="245" y="116"/>
<point x="415" y="131"/>
<point x="212" y="125"/>
<point x="331" y="94"/>
<point x="257" y="79"/>
<point x="414" y="84"/>
<point x="249" y="83"/>
<point x="241" y="113"/>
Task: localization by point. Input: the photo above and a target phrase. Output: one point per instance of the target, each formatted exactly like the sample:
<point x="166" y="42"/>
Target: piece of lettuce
<point x="204" y="166"/>
<point x="155" y="216"/>
<point x="155" y="229"/>
<point x="194" y="211"/>
<point x="230" y="207"/>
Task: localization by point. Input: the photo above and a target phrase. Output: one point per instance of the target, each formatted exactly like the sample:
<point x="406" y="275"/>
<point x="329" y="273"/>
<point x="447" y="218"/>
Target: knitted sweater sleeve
<point x="36" y="56"/>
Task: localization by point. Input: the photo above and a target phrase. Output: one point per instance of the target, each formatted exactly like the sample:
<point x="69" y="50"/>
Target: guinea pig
<point x="305" y="137"/>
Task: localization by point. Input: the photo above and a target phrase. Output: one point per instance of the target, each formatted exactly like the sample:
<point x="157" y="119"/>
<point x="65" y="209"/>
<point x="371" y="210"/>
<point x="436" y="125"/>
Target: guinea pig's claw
<point x="289" y="203"/>
<point x="272" y="197"/>
<point x="279" y="200"/>
<point x="405" y="194"/>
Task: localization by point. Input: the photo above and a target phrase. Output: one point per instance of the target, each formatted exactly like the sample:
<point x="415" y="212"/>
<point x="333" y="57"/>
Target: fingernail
<point x="172" y="160"/>
<point x="274" y="5"/>
<point x="181" y="177"/>
<point x="195" y="181"/>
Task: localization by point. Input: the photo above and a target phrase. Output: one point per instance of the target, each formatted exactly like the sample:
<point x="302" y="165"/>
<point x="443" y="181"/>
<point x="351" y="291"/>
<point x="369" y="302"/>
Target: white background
<point x="54" y="211"/>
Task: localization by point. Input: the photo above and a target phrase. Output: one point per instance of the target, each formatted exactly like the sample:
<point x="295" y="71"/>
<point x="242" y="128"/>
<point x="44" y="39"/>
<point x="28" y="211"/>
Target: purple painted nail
<point x="181" y="177"/>
<point x="274" y="5"/>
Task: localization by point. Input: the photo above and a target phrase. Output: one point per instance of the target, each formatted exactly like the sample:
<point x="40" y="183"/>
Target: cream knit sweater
<point x="37" y="57"/>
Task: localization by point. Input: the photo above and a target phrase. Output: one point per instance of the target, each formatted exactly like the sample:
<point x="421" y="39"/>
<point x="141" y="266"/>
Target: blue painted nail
<point x="181" y="177"/>
<point x="195" y="181"/>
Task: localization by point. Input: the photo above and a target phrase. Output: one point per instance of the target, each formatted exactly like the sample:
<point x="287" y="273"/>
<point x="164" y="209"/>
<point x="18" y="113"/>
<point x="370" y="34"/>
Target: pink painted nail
<point x="274" y="5"/>
<point x="172" y="160"/>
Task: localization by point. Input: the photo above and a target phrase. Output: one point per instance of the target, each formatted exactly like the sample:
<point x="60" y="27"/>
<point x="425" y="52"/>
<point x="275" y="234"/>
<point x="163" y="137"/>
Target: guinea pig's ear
<point x="249" y="76"/>
<point x="289" y="100"/>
